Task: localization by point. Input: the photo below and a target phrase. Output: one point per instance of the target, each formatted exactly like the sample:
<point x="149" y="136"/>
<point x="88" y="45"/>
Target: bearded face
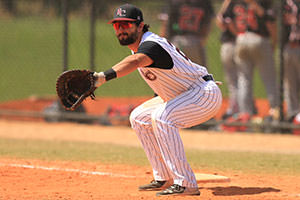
<point x="127" y="38"/>
<point x="126" y="32"/>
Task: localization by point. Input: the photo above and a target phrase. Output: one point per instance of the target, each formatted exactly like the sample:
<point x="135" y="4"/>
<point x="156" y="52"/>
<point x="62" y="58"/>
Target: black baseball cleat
<point x="179" y="190"/>
<point x="155" y="185"/>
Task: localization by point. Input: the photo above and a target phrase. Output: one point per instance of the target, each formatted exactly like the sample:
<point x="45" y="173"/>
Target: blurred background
<point x="39" y="39"/>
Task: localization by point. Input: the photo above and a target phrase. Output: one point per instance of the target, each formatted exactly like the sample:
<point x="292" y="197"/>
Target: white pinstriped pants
<point x="157" y="126"/>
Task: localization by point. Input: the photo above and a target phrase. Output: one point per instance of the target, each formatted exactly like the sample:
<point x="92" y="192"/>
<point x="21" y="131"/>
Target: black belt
<point x="208" y="77"/>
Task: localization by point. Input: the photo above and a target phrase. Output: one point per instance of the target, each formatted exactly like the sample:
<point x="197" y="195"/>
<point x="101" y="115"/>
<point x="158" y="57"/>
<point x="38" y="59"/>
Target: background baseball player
<point x="228" y="20"/>
<point x="186" y="23"/>
<point x="254" y="48"/>
<point x="187" y="95"/>
<point x="228" y="36"/>
<point x="292" y="57"/>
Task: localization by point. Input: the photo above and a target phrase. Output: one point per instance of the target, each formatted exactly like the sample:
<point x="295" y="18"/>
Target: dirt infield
<point x="24" y="179"/>
<point x="45" y="180"/>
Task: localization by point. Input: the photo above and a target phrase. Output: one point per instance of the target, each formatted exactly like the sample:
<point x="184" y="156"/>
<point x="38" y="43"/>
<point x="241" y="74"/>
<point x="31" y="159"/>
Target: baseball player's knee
<point x="160" y="117"/>
<point x="138" y="119"/>
<point x="133" y="119"/>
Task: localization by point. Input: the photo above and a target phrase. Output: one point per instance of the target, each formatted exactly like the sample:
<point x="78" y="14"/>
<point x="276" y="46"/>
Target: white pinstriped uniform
<point x="184" y="100"/>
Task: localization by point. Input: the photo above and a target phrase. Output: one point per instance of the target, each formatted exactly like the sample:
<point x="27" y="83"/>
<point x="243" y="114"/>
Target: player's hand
<point x="100" y="78"/>
<point x="256" y="7"/>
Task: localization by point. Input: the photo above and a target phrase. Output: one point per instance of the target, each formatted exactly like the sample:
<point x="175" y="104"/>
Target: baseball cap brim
<point x="121" y="19"/>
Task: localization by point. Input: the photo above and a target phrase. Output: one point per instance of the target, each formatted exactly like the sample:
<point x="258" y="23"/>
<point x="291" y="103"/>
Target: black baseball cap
<point x="127" y="12"/>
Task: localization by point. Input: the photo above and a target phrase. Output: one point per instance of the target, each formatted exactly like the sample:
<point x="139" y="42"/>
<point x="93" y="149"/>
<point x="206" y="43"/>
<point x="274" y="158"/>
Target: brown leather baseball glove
<point x="74" y="86"/>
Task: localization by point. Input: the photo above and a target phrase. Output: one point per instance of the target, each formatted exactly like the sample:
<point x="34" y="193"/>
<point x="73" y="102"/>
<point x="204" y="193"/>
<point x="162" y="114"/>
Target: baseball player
<point x="255" y="44"/>
<point x="187" y="24"/>
<point x="228" y="36"/>
<point x="187" y="95"/>
<point x="292" y="57"/>
<point x="228" y="20"/>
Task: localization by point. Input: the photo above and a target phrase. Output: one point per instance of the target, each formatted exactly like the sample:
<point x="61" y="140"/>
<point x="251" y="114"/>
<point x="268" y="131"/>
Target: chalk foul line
<point x="67" y="170"/>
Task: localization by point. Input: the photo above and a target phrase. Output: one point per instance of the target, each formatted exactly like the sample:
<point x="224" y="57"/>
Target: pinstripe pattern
<point x="157" y="126"/>
<point x="171" y="83"/>
<point x="184" y="100"/>
<point x="140" y="120"/>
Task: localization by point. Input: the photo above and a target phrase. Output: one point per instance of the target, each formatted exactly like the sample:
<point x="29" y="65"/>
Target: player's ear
<point x="141" y="26"/>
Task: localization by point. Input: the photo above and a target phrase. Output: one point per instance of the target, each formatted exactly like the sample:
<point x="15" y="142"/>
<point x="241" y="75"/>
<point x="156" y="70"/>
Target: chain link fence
<point x="41" y="38"/>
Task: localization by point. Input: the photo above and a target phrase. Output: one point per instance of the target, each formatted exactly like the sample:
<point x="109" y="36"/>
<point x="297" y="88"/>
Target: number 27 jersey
<point x="171" y="73"/>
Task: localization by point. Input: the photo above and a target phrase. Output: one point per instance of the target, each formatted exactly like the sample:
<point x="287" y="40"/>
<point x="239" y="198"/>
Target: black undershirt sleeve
<point x="161" y="58"/>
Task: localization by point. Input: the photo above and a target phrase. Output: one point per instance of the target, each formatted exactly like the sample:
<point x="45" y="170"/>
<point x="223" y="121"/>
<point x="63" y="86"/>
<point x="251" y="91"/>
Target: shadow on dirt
<point x="234" y="190"/>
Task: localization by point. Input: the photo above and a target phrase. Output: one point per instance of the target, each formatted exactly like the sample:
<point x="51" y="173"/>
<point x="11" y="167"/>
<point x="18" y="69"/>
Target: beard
<point x="130" y="39"/>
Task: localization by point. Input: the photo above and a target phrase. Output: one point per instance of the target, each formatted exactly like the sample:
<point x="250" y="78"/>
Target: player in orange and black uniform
<point x="230" y="19"/>
<point x="225" y="20"/>
<point x="187" y="24"/>
<point x="255" y="45"/>
<point x="292" y="57"/>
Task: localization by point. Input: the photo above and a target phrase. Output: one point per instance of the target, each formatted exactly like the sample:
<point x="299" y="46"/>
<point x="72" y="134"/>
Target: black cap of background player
<point x="127" y="12"/>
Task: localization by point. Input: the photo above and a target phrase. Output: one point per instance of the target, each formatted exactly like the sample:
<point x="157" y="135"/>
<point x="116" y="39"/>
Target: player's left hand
<point x="74" y="86"/>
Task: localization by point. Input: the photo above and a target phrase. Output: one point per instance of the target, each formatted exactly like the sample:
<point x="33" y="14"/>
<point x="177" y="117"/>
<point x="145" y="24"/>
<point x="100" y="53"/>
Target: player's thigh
<point x="190" y="108"/>
<point x="227" y="53"/>
<point x="230" y="67"/>
<point x="143" y="112"/>
<point x="291" y="61"/>
<point x="266" y="63"/>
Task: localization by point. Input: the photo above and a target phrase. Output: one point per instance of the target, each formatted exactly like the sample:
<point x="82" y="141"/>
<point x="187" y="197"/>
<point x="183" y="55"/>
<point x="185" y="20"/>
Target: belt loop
<point x="208" y="77"/>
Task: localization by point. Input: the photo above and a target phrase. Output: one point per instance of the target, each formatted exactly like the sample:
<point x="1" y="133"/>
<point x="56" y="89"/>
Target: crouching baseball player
<point x="187" y="96"/>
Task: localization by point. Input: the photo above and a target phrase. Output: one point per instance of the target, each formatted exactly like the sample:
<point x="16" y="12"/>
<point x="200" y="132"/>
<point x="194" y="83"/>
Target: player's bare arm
<point x="131" y="63"/>
<point x="219" y="19"/>
<point x="256" y="7"/>
<point x="123" y="68"/>
<point x="225" y="23"/>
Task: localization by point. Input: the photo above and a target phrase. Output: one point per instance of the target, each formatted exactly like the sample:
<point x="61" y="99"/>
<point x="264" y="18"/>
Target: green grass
<point x="31" y="57"/>
<point x="246" y="161"/>
<point x="116" y="154"/>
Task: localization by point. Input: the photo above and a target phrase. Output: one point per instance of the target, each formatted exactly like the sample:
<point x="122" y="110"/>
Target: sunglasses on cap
<point x="123" y="24"/>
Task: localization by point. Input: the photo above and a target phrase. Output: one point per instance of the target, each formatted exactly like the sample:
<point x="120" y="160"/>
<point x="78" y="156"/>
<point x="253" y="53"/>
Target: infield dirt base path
<point x="52" y="180"/>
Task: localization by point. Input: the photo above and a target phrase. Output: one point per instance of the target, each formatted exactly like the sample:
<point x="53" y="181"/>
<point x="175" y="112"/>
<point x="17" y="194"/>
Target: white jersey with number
<point x="169" y="83"/>
<point x="184" y="99"/>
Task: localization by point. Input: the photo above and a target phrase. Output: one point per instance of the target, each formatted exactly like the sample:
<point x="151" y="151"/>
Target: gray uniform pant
<point x="231" y="75"/>
<point x="292" y="79"/>
<point x="253" y="50"/>
<point x="192" y="47"/>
